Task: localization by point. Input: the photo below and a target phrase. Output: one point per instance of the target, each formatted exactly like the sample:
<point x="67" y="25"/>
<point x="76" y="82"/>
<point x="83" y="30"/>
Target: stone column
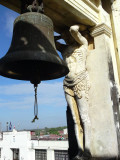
<point x="116" y="22"/>
<point x="115" y="16"/>
<point x="104" y="138"/>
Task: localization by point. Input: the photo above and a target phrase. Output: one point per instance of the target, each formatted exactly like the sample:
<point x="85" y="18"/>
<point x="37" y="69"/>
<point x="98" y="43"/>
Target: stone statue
<point x="76" y="83"/>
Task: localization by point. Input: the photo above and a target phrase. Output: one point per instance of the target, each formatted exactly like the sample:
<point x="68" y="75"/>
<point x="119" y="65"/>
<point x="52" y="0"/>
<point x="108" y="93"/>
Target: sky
<point x="17" y="97"/>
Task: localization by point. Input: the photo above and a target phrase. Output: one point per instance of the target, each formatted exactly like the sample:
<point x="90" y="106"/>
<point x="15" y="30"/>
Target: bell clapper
<point x="35" y="104"/>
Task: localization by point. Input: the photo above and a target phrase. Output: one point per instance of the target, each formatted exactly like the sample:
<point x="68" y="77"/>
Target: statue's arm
<point x="60" y="47"/>
<point x="74" y="30"/>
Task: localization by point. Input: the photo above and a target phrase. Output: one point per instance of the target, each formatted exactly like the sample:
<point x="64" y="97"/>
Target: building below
<point x="18" y="145"/>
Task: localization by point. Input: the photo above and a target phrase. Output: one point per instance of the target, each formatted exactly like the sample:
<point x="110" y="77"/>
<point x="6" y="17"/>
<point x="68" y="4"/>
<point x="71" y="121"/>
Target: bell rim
<point x="29" y="55"/>
<point x="25" y="79"/>
<point x="63" y="70"/>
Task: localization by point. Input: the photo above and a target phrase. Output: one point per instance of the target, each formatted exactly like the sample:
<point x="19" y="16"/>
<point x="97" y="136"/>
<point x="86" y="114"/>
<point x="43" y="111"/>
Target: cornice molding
<point x="86" y="8"/>
<point x="101" y="29"/>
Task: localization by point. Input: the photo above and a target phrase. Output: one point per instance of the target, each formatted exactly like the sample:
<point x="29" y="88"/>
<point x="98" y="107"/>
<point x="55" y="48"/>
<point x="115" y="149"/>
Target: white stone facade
<point x="22" y="141"/>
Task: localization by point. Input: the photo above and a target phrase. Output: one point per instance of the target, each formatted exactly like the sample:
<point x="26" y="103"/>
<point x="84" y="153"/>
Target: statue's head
<point x="86" y="34"/>
<point x="67" y="37"/>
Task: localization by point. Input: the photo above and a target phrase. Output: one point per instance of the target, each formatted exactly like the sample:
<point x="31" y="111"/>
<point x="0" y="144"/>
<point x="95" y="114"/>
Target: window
<point x="15" y="154"/>
<point x="61" y="155"/>
<point x="40" y="154"/>
<point x="13" y="138"/>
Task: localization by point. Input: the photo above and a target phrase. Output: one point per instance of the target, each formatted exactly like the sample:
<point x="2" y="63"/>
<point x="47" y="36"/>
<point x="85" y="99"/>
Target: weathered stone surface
<point x="104" y="137"/>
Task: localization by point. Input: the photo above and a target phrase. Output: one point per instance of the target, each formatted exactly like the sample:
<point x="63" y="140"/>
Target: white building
<point x="18" y="145"/>
<point x="65" y="131"/>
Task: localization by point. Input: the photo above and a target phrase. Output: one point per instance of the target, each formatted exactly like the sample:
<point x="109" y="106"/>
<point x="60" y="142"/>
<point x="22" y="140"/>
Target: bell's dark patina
<point x="32" y="55"/>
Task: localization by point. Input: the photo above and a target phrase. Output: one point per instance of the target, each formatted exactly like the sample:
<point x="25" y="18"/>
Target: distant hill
<point x="49" y="130"/>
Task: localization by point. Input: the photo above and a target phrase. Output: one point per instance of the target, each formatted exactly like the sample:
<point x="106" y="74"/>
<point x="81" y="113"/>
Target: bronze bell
<point x="32" y="55"/>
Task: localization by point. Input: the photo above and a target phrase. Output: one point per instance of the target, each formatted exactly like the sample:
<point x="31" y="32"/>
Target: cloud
<point x="22" y="95"/>
<point x="27" y="88"/>
<point x="15" y="105"/>
<point x="9" y="24"/>
<point x="16" y="89"/>
<point x="9" y="21"/>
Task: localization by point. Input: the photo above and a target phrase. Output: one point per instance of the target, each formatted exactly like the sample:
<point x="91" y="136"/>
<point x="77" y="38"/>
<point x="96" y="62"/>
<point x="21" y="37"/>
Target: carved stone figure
<point x="76" y="83"/>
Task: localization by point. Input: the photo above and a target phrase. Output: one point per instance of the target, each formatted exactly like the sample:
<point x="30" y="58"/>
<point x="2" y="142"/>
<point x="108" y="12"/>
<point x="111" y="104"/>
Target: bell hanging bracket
<point x="35" y="6"/>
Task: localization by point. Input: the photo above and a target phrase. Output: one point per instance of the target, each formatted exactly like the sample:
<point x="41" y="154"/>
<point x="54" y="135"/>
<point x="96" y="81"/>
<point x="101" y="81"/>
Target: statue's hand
<point x="75" y="33"/>
<point x="79" y="27"/>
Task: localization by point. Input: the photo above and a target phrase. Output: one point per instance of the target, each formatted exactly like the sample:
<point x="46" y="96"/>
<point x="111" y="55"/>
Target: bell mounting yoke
<point x="34" y="6"/>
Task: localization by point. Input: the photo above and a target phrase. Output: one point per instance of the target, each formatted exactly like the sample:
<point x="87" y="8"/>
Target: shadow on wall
<point x="73" y="150"/>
